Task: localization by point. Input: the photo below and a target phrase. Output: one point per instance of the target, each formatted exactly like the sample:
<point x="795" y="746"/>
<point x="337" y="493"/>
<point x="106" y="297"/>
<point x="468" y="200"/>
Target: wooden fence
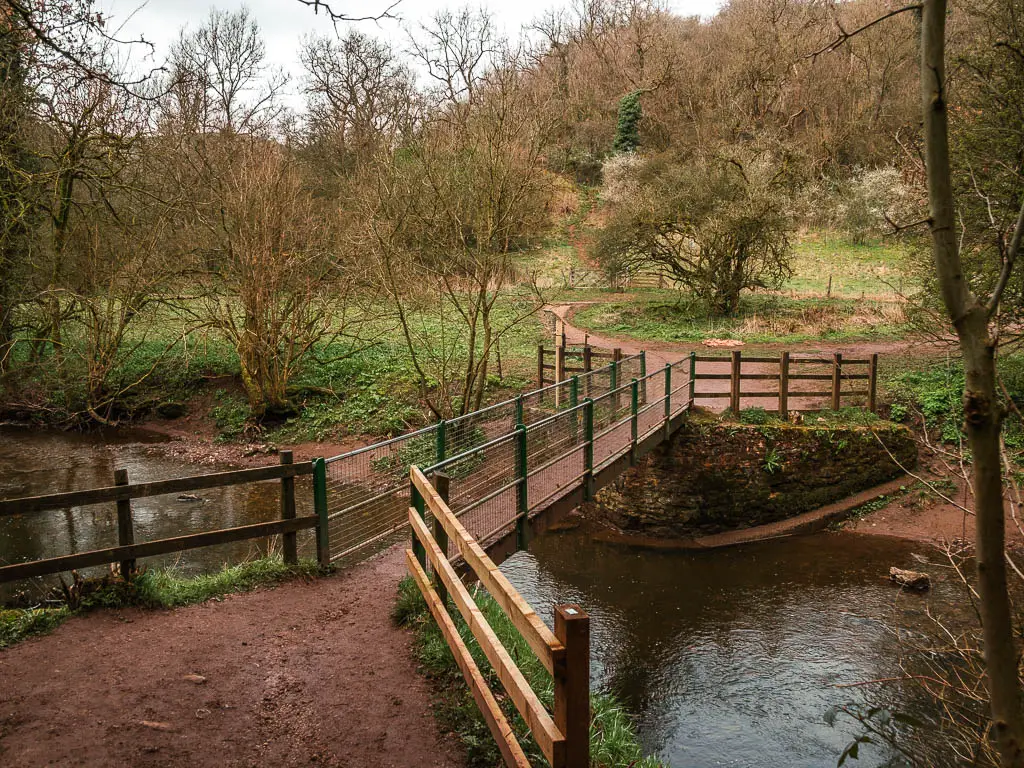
<point x="563" y="735"/>
<point x="128" y="550"/>
<point x="563" y="361"/>
<point x="788" y="369"/>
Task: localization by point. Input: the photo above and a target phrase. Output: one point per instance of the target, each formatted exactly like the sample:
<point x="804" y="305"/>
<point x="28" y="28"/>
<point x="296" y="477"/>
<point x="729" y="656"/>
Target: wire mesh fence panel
<point x="650" y="418"/>
<point x="368" y="492"/>
<point x="552" y="437"/>
<point x="613" y="442"/>
<point x="680" y="394"/>
<point x="552" y="479"/>
<point x="542" y="403"/>
<point x="473" y="429"/>
<point x="482" y="491"/>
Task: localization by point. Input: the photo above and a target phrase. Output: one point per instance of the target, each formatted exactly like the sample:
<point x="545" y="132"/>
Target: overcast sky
<point x="284" y="22"/>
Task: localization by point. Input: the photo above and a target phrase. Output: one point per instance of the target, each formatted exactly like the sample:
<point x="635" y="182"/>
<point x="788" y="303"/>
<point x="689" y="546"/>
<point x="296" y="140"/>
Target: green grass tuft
<point x="16" y="623"/>
<point x="613" y="740"/>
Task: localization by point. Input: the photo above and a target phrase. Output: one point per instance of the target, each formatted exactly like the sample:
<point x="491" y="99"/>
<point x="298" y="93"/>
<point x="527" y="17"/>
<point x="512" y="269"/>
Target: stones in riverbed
<point x="187" y="498"/>
<point x="915" y="580"/>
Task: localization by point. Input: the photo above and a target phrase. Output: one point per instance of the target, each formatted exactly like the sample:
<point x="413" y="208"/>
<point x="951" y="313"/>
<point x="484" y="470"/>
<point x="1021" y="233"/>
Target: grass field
<point x="362" y="387"/>
<point x="762" y="319"/>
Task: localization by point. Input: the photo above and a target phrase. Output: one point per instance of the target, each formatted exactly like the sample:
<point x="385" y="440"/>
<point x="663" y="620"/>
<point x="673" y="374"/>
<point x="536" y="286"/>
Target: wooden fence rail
<point x="563" y="735"/>
<point x="864" y="369"/>
<point x="566" y="360"/>
<point x="128" y="551"/>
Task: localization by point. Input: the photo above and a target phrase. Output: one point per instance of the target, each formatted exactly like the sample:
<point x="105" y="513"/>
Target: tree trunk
<point x="982" y="411"/>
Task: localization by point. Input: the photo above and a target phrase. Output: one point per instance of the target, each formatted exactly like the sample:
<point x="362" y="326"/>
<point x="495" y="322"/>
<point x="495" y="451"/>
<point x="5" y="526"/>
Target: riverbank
<point x="311" y="672"/>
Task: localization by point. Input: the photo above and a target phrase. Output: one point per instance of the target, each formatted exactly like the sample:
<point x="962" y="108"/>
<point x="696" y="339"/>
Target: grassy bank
<point x="761" y="319"/>
<point x="612" y="734"/>
<point x="150" y="589"/>
<point x="365" y="387"/>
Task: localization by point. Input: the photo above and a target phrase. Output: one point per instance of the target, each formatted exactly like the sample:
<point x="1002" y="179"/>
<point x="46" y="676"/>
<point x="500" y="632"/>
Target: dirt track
<point x="304" y="674"/>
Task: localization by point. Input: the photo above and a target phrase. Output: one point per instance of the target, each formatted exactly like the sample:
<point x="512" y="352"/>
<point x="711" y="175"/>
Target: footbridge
<point x="515" y="468"/>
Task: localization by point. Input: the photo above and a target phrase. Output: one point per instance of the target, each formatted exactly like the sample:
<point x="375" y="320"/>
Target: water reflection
<point x="731" y="657"/>
<point x="33" y="462"/>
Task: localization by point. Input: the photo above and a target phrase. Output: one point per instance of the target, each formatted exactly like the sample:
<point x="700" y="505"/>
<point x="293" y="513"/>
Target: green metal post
<point x="323" y="535"/>
<point x="643" y="376"/>
<point x="668" y="399"/>
<point x="574" y="400"/>
<point x="634" y="410"/>
<point x="615" y="385"/>
<point x="441" y="437"/>
<point x="588" y="449"/>
<point x="693" y="376"/>
<point x="522" y="499"/>
<point x="519" y="410"/>
<point x="420" y="506"/>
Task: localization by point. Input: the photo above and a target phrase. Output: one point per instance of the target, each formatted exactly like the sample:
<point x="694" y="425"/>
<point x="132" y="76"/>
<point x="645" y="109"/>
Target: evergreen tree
<point x="627" y="132"/>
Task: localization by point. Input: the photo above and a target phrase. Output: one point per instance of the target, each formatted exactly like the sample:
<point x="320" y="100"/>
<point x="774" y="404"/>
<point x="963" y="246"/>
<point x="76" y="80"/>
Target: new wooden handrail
<point x="550" y="740"/>
<point x="503" y="734"/>
<point x="536" y="633"/>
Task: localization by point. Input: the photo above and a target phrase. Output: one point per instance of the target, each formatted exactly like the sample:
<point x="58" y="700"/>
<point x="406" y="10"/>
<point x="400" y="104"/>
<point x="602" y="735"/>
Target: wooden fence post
<point x="323" y="534"/>
<point x="289" y="543"/>
<point x="572" y="684"/>
<point x="873" y="384"/>
<point x="784" y="385"/>
<point x="734" y="381"/>
<point x="540" y="367"/>
<point x="588" y="362"/>
<point x="837" y="375"/>
<point x="442" y="483"/>
<point x="125" y="528"/>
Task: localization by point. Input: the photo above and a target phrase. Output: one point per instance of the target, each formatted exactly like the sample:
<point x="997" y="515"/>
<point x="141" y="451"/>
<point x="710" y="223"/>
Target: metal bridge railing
<point x="506" y="460"/>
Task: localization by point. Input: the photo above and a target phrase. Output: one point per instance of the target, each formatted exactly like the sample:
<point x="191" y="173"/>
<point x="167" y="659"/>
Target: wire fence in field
<point x="507" y="460"/>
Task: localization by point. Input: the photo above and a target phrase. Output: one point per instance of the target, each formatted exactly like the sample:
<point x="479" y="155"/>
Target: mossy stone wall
<point x="714" y="475"/>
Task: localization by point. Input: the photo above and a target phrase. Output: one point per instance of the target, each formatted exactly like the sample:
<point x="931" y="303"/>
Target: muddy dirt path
<point x="661" y="353"/>
<point x="308" y="673"/>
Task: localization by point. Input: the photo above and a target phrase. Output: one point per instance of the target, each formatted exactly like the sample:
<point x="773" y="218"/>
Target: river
<point x="34" y="462"/>
<point x="732" y="657"/>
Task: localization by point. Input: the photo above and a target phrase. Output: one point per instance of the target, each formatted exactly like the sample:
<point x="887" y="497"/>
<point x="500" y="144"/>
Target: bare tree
<point x="360" y="99"/>
<point x="972" y="316"/>
<point x="219" y="79"/>
<point x="444" y="220"/>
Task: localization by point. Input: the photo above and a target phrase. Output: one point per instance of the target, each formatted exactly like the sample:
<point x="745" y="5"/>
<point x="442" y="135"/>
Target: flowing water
<point x="732" y="657"/>
<point x="40" y="462"/>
